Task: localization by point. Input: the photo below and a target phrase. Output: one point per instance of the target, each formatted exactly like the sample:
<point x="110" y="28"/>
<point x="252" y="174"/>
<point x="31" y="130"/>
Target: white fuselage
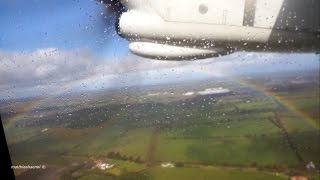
<point x="194" y="29"/>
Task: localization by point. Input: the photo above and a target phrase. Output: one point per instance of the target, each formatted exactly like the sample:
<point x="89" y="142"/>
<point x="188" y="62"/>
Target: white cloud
<point x="190" y="93"/>
<point x="219" y="90"/>
<point x="44" y="70"/>
<point x="49" y="69"/>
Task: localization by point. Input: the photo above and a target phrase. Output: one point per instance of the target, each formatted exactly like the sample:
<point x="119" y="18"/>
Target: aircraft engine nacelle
<point x="195" y="29"/>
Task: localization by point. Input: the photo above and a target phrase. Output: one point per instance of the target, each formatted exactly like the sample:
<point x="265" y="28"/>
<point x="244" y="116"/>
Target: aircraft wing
<point x="195" y="29"/>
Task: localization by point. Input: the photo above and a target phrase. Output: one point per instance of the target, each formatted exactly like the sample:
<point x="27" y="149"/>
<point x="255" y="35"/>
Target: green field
<point x="212" y="137"/>
<point x="227" y="151"/>
<point x="210" y="173"/>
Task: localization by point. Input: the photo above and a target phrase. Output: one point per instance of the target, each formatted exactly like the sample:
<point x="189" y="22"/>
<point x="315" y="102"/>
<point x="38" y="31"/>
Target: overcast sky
<point x="51" y="47"/>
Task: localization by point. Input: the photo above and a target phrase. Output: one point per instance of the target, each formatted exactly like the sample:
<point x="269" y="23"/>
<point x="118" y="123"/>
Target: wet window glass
<point x="150" y="89"/>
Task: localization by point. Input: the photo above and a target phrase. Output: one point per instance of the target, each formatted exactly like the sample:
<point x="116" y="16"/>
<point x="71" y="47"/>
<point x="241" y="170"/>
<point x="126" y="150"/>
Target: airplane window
<point x="150" y="89"/>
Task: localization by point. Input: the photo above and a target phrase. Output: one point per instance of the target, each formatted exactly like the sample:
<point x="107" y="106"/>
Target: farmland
<point x="243" y="133"/>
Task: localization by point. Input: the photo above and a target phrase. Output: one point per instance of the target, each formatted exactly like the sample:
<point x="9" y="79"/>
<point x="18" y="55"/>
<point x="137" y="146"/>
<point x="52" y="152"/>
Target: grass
<point x="308" y="145"/>
<point x="96" y="177"/>
<point x="262" y="150"/>
<point x="294" y="124"/>
<point x="134" y="143"/>
<point x="209" y="173"/>
<point x="98" y="142"/>
<point x="20" y="134"/>
<point x="230" y="132"/>
<point x="262" y="105"/>
<point x="235" y="128"/>
<point x="49" y="146"/>
<point x="186" y="173"/>
<point x="123" y="167"/>
<point x="307" y="101"/>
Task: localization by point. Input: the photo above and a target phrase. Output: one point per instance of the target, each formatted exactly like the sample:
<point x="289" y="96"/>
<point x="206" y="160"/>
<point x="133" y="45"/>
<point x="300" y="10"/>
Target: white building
<point x="167" y="165"/>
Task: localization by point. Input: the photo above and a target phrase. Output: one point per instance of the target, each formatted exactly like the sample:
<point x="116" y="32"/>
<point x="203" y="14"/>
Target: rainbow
<point x="278" y="99"/>
<point x="10" y="123"/>
<point x="282" y="101"/>
<point x="22" y="114"/>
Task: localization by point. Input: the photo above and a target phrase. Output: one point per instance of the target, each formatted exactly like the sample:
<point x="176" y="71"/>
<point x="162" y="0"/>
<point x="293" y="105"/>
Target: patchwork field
<point x="244" y="133"/>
